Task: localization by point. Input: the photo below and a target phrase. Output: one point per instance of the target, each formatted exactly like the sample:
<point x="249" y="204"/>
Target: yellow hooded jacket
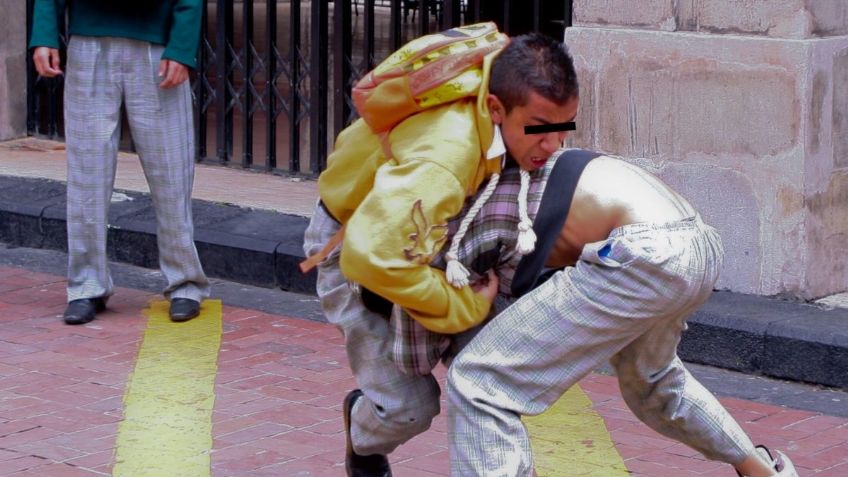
<point x="394" y="190"/>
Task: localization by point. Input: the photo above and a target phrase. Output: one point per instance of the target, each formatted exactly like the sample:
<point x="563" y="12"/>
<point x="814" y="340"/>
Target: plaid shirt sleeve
<point x="489" y="244"/>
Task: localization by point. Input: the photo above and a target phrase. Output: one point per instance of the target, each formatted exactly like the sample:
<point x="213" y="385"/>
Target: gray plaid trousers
<point x="103" y="73"/>
<point x="628" y="306"/>
<point x="396" y="407"/>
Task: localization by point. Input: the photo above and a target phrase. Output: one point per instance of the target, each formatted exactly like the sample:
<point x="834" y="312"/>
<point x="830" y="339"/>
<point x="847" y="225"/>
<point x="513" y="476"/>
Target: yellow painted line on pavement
<point x="167" y="426"/>
<point x="571" y="439"/>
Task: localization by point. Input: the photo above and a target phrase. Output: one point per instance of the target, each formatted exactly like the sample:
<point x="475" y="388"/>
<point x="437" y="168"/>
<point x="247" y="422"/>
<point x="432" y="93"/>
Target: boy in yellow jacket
<point x="424" y="144"/>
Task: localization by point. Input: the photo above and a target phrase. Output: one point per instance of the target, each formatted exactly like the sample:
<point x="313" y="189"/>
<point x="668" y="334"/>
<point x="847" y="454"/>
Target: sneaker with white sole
<point x="780" y="463"/>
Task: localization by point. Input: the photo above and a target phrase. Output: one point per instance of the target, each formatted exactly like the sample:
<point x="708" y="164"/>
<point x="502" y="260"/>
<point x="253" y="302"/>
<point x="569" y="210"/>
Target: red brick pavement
<point x="278" y="393"/>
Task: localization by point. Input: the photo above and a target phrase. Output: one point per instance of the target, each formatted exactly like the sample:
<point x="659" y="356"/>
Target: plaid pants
<point x="627" y="301"/>
<point x="415" y="350"/>
<point x="103" y="73"/>
<point x="396" y="407"/>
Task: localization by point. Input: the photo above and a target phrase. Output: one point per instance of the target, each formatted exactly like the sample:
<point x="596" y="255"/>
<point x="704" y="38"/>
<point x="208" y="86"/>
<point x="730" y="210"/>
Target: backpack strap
<point x="553" y="211"/>
<point x="313" y="260"/>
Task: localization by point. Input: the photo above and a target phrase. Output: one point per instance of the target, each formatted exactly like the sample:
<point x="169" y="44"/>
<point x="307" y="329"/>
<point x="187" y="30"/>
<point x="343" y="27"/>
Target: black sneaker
<point x="374" y="465"/>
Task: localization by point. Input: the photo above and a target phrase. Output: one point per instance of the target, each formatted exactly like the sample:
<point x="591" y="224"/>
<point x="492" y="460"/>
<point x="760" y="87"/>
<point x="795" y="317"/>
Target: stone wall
<point x="769" y="18"/>
<point x="743" y="107"/>
<point x="13" y="83"/>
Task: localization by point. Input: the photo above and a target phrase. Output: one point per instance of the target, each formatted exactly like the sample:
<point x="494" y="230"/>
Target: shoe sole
<point x="347" y="408"/>
<point x="69" y="321"/>
<point x="180" y="319"/>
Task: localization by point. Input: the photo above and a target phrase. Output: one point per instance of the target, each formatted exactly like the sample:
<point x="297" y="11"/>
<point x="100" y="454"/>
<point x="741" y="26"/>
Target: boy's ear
<point x="496" y="108"/>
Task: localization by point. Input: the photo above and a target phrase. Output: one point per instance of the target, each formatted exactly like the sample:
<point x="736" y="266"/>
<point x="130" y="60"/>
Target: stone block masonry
<point x="751" y="127"/>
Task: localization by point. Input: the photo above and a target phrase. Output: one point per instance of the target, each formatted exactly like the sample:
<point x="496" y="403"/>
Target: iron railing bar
<point x="294" y="85"/>
<point x="31" y="123"/>
<point x="474" y="8"/>
<point x="506" y="26"/>
<point x="537" y="13"/>
<point x="368" y="21"/>
<point x="223" y="114"/>
<point x="424" y="17"/>
<point x="200" y="96"/>
<point x="396" y="36"/>
<point x="342" y="53"/>
<point x="318" y="87"/>
<point x="51" y="107"/>
<point x="271" y="85"/>
<point x="247" y="79"/>
<point x="451" y="14"/>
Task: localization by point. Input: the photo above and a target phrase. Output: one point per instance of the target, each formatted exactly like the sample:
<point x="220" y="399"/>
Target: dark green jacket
<point x="173" y="23"/>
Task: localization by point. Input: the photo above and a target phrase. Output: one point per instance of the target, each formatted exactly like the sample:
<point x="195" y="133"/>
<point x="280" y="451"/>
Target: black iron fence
<point x="271" y="71"/>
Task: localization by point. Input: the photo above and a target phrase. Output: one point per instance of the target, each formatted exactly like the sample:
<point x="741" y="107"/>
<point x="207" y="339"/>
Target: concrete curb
<point x="753" y="334"/>
<point x="795" y="341"/>
<point x="255" y="247"/>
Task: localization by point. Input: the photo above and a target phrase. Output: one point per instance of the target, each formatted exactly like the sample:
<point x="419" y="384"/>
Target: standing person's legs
<point x="395" y="406"/>
<point x="161" y="124"/>
<point x="92" y="118"/>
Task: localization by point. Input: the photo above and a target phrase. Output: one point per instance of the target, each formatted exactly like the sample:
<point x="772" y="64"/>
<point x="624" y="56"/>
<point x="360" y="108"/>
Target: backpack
<point x="426" y="72"/>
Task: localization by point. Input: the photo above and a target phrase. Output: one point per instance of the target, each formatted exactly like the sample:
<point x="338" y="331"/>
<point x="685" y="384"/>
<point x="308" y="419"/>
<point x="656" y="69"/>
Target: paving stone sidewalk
<point x="249" y="229"/>
<point x="279" y="386"/>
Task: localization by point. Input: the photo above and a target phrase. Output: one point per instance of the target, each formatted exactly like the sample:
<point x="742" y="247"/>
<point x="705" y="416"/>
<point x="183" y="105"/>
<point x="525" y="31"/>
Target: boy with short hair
<point x="390" y="188"/>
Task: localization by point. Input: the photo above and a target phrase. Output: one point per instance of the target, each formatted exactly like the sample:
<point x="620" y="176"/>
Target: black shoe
<point x="183" y="309"/>
<point x="80" y="312"/>
<point x="374" y="465"/>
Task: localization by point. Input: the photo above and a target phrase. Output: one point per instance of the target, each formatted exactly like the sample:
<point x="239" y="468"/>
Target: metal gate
<point x="270" y="72"/>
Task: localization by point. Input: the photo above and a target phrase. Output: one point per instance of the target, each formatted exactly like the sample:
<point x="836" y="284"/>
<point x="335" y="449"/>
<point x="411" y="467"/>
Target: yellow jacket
<point x="395" y="192"/>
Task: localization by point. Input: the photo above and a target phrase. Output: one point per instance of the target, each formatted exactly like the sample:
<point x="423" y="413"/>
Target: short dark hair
<point x="533" y="62"/>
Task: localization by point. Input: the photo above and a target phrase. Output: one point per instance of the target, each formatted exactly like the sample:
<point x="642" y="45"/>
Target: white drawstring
<point x="455" y="272"/>
<point x="526" y="242"/>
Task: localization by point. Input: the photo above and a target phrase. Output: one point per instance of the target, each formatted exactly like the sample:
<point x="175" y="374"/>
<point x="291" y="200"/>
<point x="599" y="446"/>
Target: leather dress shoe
<point x="374" y="465"/>
<point x="83" y="310"/>
<point x="184" y="309"/>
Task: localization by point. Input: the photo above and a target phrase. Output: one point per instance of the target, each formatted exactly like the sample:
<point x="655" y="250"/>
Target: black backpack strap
<point x="553" y="210"/>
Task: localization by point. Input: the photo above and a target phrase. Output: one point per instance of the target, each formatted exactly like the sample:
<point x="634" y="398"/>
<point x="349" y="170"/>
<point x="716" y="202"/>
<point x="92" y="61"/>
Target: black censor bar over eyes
<point x="547" y="128"/>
